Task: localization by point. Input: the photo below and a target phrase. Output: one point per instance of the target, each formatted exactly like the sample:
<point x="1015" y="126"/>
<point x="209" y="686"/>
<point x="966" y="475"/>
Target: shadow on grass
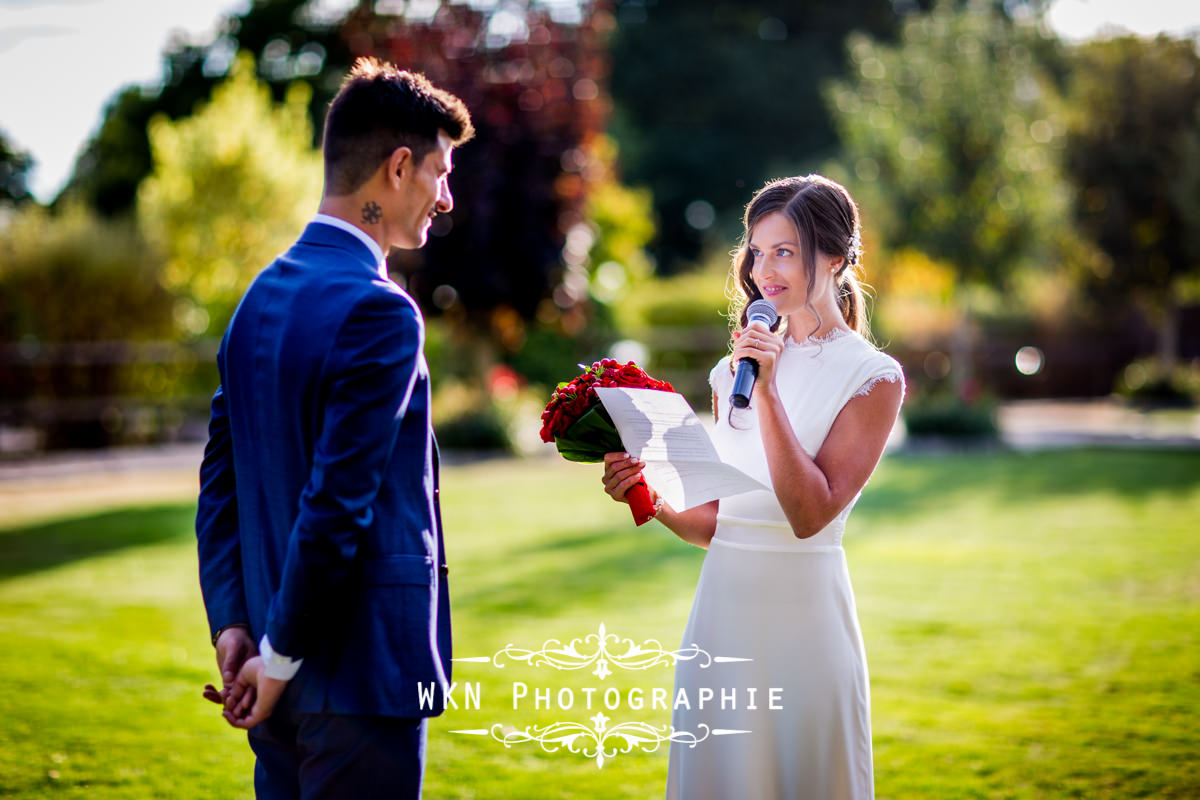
<point x="601" y="566"/>
<point x="38" y="547"/>
<point x="583" y="568"/>
<point x="920" y="484"/>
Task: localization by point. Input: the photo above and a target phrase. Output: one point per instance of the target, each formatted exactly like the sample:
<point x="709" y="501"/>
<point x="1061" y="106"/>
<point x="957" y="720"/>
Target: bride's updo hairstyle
<point x="826" y="219"/>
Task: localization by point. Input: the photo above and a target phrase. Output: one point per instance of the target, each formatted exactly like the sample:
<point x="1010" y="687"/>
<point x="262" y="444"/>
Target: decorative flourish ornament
<point x="600" y="741"/>
<point x="602" y="649"/>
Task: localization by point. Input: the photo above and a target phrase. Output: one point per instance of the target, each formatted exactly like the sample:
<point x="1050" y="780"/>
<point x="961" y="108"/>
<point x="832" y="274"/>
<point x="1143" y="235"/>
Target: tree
<point x="14" y="172"/>
<point x="957" y="134"/>
<point x="116" y="158"/>
<point x="289" y="43"/>
<point x="75" y="277"/>
<point x="532" y="78"/>
<point x="953" y="136"/>
<point x="1134" y="154"/>
<point x="232" y="187"/>
<point x="711" y="100"/>
<point x="80" y="298"/>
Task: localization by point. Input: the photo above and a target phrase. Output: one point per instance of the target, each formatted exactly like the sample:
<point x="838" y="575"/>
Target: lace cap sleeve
<point x="887" y="369"/>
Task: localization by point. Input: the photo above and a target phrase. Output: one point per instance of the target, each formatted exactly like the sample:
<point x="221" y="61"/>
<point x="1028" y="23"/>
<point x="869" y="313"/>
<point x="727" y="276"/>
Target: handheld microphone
<point x="747" y="368"/>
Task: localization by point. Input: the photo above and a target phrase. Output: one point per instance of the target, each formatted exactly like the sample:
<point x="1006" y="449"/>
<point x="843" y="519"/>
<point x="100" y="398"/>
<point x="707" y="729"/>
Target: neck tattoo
<point x="371" y="213"/>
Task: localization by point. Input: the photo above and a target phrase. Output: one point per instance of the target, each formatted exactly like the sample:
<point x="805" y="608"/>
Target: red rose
<point x="572" y="400"/>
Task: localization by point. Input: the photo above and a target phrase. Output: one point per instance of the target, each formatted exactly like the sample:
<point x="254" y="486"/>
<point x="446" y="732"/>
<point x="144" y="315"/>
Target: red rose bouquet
<point x="575" y="420"/>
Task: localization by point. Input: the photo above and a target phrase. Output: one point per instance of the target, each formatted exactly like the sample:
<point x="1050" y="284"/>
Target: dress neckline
<point x="815" y="341"/>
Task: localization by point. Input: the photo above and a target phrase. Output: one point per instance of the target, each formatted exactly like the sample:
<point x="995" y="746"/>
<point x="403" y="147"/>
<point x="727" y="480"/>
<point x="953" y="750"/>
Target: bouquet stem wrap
<point x="640" y="503"/>
<point x="588" y="439"/>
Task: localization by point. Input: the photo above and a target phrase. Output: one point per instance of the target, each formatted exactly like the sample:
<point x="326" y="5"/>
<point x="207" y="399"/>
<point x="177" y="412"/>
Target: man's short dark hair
<point x="378" y="109"/>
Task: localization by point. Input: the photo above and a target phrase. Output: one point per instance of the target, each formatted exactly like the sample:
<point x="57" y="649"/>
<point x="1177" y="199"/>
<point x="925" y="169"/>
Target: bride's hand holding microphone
<point x="756" y="345"/>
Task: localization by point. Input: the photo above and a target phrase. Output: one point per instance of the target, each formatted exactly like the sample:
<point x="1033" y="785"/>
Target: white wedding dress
<point x="785" y="604"/>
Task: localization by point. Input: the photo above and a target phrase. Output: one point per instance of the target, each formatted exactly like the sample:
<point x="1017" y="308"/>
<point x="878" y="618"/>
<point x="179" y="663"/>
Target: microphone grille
<point x="762" y="310"/>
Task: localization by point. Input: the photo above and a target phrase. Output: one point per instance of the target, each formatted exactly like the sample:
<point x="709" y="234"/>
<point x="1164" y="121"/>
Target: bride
<point x="774" y="589"/>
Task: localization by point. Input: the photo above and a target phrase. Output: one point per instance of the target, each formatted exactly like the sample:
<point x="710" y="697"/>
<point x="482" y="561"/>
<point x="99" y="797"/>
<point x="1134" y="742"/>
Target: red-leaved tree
<point x="534" y="83"/>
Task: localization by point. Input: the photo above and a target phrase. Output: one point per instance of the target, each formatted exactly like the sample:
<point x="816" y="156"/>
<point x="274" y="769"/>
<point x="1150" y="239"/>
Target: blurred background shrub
<point x="945" y="416"/>
<point x="86" y="330"/>
<point x="678" y="328"/>
<point x="1150" y="382"/>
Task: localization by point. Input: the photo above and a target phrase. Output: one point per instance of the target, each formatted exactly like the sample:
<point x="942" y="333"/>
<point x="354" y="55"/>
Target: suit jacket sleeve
<point x="370" y="375"/>
<point x="218" y="542"/>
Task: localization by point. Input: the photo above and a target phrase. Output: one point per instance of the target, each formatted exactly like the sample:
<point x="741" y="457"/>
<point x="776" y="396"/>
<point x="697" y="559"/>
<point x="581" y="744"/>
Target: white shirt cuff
<point x="278" y="666"/>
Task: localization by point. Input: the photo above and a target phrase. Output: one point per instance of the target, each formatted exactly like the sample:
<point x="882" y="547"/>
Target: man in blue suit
<point x="321" y="556"/>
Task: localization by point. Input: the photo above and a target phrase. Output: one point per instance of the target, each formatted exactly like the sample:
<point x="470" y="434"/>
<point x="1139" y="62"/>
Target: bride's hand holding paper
<point x="661" y="432"/>
<point x="621" y="473"/>
<point x="642" y="430"/>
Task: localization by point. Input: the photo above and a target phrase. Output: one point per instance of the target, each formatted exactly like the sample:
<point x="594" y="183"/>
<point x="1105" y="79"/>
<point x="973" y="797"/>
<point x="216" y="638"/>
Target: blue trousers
<point x="338" y="756"/>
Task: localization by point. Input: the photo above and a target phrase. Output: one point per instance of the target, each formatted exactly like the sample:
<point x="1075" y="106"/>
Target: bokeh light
<point x="1029" y="360"/>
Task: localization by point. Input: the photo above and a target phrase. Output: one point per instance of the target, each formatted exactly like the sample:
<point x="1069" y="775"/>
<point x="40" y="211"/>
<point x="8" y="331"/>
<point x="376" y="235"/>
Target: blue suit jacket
<point x="318" y="519"/>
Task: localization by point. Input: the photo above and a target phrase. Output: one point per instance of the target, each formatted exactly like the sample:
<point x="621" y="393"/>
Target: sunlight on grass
<point x="1031" y="623"/>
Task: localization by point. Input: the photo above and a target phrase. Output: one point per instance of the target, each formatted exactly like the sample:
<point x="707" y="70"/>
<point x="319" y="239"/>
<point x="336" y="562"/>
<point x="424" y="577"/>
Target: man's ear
<point x="397" y="166"/>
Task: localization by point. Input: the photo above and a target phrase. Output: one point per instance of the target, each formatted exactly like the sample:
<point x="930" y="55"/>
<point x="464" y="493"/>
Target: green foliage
<point x="73" y="277"/>
<point x="82" y="303"/>
<point x="1152" y="382"/>
<point x="954" y="135"/>
<point x="691" y="299"/>
<point x="945" y="415"/>
<point x="290" y="42"/>
<point x="232" y="187"/>
<point x="1134" y="154"/>
<point x="475" y="429"/>
<point x="117" y="157"/>
<point x="590" y="438"/>
<point x="681" y="321"/>
<point x="1030" y="623"/>
<point x="549" y="356"/>
<point x="713" y="99"/>
<point x="14" y="173"/>
<point x="493" y="412"/>
<point x="916" y="298"/>
<point x="622" y="220"/>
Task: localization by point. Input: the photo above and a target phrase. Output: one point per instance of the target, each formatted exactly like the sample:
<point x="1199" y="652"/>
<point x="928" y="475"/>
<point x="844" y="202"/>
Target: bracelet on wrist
<point x="217" y="635"/>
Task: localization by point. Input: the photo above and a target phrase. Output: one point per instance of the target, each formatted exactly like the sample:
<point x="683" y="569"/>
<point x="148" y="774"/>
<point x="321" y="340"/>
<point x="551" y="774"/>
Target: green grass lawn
<point x="1032" y="624"/>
